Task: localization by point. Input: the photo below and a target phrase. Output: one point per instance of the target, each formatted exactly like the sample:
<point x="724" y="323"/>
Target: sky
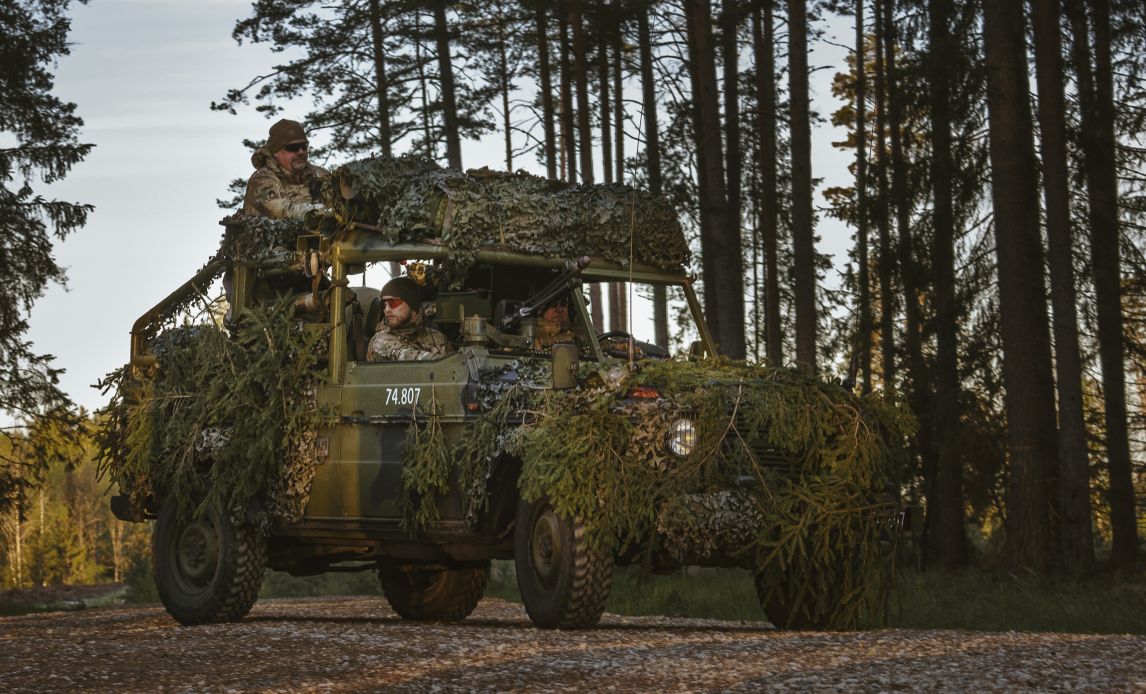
<point x="143" y="74"/>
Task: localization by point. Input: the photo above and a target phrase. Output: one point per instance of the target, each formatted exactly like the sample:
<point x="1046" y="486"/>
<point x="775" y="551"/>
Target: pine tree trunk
<point x="604" y="98"/>
<point x="801" y="143"/>
<point x="605" y="104"/>
<point x="619" y="108"/>
<point x="918" y="376"/>
<point x="652" y="154"/>
<point x="886" y="261"/>
<point x="541" y="14"/>
<point x="864" y="279"/>
<point x="581" y="86"/>
<point x="446" y="83"/>
<point x="381" y="81"/>
<point x="1022" y="300"/>
<point x="427" y="118"/>
<point x="503" y="87"/>
<point x="1074" y="475"/>
<point x="763" y="23"/>
<point x="568" y="146"/>
<point x="730" y="20"/>
<point x="1102" y="194"/>
<point x="720" y="241"/>
<point x="949" y="541"/>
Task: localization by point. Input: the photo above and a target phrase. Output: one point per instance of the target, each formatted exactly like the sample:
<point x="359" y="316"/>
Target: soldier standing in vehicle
<point x="403" y="334"/>
<point x="281" y="187"/>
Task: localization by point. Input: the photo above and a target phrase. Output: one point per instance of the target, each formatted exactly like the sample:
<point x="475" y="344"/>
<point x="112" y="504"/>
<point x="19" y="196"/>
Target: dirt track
<point x="357" y="644"/>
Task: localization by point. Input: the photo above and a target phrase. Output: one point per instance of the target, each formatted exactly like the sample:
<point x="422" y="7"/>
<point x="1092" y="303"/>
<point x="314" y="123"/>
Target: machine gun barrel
<point x="570" y="277"/>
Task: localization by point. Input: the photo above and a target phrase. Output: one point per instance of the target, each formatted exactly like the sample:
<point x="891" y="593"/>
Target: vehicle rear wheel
<point x="563" y="582"/>
<point x="428" y="594"/>
<point x="206" y="569"/>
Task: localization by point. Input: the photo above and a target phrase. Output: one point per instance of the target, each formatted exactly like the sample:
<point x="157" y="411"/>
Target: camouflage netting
<point x="815" y="533"/>
<point x="260" y="239"/>
<point x="225" y="420"/>
<point x="411" y="199"/>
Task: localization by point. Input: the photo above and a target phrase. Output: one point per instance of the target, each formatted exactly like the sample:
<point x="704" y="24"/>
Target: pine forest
<point x="994" y="277"/>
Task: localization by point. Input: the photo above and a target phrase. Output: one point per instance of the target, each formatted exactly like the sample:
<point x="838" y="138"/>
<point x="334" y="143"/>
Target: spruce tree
<point x="40" y="134"/>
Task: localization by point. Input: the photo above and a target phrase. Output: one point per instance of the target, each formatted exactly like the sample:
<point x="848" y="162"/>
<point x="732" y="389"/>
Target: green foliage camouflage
<point x="411" y="199"/>
<point x="426" y="470"/>
<point x="811" y="514"/>
<point x="227" y="418"/>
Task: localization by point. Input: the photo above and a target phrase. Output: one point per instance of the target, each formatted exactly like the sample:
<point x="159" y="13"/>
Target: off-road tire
<point x="780" y="613"/>
<point x="433" y="594"/>
<point x="208" y="569"/>
<point x="563" y="582"/>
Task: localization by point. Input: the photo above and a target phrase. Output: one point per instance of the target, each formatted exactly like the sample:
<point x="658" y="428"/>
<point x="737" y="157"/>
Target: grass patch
<point x="999" y="601"/>
<point x="277" y="584"/>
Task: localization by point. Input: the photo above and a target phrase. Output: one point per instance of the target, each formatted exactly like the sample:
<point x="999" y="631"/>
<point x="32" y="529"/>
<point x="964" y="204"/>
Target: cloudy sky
<point x="143" y="73"/>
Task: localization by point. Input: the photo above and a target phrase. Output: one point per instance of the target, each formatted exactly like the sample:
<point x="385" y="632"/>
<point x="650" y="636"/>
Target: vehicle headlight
<point x="681" y="437"/>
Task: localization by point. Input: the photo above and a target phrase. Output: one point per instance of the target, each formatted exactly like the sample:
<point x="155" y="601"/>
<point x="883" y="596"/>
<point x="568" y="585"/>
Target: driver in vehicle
<point x="553" y="325"/>
<point x="403" y="335"/>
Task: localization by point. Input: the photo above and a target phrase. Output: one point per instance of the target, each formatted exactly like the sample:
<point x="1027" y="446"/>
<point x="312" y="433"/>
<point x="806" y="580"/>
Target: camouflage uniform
<point x="413" y="341"/>
<point x="550" y="332"/>
<point x="272" y="191"/>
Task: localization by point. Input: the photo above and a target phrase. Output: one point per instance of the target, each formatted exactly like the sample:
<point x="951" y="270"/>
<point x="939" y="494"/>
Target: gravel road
<point x="358" y="644"/>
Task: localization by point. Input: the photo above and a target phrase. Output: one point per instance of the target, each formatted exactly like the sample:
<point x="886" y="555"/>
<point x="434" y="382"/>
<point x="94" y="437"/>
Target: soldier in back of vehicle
<point x="281" y="188"/>
<point x="403" y="334"/>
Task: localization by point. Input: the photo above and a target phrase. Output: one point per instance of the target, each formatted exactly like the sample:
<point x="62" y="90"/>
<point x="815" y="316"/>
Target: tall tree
<point x="604" y="98"/>
<point x="492" y="38"/>
<point x="357" y="59"/>
<point x="886" y="260"/>
<point x="450" y="122"/>
<point x="581" y="88"/>
<point x="652" y="151"/>
<point x="378" y="53"/>
<point x="1074" y="474"/>
<point x="40" y="141"/>
<point x="1096" y="91"/>
<point x="545" y="75"/>
<point x="948" y="541"/>
<point x="568" y="145"/>
<point x="1022" y="299"/>
<point x="719" y="237"/>
<point x="762" y="29"/>
<point x="730" y="15"/>
<point x="802" y="234"/>
<point x="619" y="95"/>
<point x="863" y="346"/>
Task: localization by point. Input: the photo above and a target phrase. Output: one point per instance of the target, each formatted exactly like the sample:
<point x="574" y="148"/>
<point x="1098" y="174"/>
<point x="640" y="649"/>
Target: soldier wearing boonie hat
<point x="281" y="186"/>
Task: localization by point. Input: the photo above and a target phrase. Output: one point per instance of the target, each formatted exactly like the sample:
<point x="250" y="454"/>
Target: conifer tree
<point x="39" y="133"/>
<point x="365" y="65"/>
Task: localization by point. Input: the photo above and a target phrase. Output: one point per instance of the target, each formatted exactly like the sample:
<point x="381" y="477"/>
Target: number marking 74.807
<point x="403" y="396"/>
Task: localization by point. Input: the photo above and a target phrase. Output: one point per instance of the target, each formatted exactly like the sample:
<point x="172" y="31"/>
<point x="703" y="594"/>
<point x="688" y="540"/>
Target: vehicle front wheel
<point x="433" y="594"/>
<point x="784" y="613"/>
<point x="563" y="582"/>
<point x="206" y="569"/>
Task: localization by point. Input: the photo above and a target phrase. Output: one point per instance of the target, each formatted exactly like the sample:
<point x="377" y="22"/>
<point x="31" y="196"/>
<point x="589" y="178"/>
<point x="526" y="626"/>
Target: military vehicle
<point x="208" y="567"/>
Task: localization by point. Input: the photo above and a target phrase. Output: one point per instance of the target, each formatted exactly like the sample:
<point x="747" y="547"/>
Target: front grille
<point x="742" y="441"/>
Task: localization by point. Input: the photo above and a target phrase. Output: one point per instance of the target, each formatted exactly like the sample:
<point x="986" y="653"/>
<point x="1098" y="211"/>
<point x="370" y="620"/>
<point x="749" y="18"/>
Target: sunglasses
<point x="392" y="301"/>
<point x="295" y="147"/>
